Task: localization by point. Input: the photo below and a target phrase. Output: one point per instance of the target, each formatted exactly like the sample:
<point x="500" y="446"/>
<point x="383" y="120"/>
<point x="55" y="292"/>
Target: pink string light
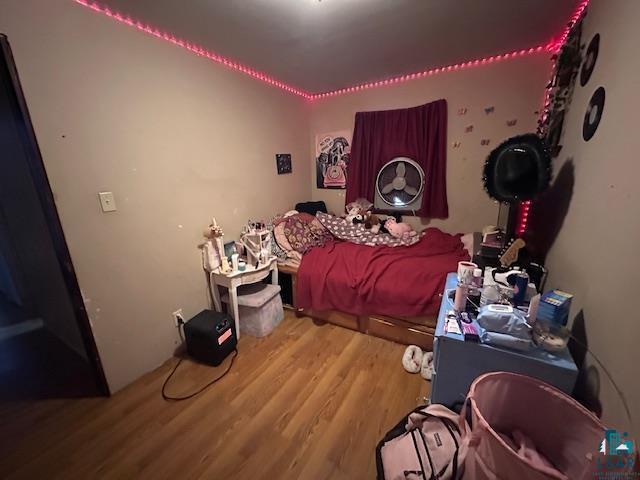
<point x="433" y="71"/>
<point x="552" y="46"/>
<point x="95" y="6"/>
<point x="556" y="45"/>
<point x="523" y="218"/>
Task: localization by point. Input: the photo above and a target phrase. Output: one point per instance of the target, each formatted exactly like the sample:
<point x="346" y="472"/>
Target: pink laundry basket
<point x="563" y="431"/>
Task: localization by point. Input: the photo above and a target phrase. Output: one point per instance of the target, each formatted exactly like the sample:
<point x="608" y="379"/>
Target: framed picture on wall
<point x="333" y="152"/>
<point x="283" y="163"/>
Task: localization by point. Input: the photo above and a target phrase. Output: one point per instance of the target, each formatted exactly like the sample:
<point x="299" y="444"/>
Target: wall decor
<point x="567" y="50"/>
<point x="462" y="111"/>
<point x="283" y="163"/>
<point x="485" y="141"/>
<point x="512" y="122"/>
<point x="554" y="133"/>
<point x="518" y="169"/>
<point x="333" y="152"/>
<point x="560" y="89"/>
<point x="590" y="58"/>
<point x="489" y="110"/>
<point x="456" y="144"/>
<point x="469" y="129"/>
<point x="593" y="114"/>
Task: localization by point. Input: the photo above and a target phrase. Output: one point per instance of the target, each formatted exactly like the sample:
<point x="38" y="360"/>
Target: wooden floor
<point x="307" y="402"/>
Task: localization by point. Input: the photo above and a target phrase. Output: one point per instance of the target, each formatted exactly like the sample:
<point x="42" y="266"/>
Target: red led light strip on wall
<point x="97" y="7"/>
<point x="557" y="45"/>
<point x="553" y="47"/>
<point x="433" y="71"/>
<point x="525" y="207"/>
<point x="192" y="48"/>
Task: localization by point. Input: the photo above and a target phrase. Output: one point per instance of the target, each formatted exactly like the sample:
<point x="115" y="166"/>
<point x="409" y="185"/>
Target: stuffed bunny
<point x="399" y="230"/>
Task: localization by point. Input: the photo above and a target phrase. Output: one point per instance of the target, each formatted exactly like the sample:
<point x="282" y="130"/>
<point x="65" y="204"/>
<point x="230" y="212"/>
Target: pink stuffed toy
<point x="399" y="230"/>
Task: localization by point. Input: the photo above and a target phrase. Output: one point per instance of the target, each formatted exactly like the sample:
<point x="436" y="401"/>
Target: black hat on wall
<point x="518" y="169"/>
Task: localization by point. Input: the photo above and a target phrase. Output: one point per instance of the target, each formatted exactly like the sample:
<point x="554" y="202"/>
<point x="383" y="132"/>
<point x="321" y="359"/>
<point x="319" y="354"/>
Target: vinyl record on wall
<point x="590" y="58"/>
<point x="593" y="114"/>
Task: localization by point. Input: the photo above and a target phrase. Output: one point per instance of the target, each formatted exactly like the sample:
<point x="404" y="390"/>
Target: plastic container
<point x="259" y="308"/>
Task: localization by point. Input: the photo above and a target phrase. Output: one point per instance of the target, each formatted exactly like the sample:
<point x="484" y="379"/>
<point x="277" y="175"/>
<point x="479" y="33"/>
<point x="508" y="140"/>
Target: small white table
<point x="231" y="281"/>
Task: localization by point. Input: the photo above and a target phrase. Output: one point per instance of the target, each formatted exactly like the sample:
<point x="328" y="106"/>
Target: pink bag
<point x="424" y="445"/>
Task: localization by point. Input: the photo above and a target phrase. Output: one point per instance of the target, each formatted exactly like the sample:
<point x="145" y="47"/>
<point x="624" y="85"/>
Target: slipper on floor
<point x="412" y="359"/>
<point x="426" y="367"/>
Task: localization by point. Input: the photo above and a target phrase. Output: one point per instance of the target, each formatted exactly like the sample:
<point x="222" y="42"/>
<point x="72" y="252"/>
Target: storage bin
<point x="259" y="308"/>
<point x="565" y="435"/>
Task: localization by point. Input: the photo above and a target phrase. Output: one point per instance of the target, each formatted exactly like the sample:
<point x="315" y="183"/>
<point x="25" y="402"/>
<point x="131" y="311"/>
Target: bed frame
<point x="406" y="330"/>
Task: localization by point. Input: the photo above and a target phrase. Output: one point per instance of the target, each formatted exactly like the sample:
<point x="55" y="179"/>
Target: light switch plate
<point x="107" y="201"/>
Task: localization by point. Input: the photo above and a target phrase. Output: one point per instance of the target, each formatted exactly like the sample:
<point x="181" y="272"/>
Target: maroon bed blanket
<point x="361" y="280"/>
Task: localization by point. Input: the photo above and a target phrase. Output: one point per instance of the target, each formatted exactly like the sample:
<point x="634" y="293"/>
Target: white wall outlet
<point x="177" y="316"/>
<point x="107" y="201"/>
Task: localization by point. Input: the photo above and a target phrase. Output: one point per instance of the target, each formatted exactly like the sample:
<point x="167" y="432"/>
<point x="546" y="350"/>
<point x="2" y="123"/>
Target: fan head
<point x="400" y="182"/>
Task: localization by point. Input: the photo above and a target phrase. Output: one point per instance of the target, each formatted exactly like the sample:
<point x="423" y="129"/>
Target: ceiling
<point x="324" y="45"/>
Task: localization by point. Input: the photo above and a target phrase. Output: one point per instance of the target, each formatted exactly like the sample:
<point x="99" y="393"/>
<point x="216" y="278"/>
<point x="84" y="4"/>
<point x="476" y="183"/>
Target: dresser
<point x="458" y="363"/>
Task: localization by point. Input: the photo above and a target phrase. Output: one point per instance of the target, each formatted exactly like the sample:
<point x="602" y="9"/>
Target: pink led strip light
<point x="557" y="45"/>
<point x="553" y="47"/>
<point x="95" y="6"/>
<point x="525" y="207"/>
<point x="433" y="71"/>
<point x="193" y="48"/>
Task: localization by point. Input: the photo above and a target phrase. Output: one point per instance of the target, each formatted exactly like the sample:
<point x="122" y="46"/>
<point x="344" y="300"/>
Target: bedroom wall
<point x="515" y="88"/>
<point x="595" y="255"/>
<point x="176" y="138"/>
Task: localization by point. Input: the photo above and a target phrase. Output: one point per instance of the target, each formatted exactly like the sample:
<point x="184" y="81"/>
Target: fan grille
<point x="413" y="176"/>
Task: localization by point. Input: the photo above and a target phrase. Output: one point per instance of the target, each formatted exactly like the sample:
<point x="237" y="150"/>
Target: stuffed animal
<point x="372" y="222"/>
<point x="352" y="212"/>
<point x="358" y="219"/>
<point x="399" y="230"/>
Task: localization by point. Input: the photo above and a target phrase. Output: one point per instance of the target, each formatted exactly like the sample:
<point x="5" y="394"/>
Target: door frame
<point x="47" y="202"/>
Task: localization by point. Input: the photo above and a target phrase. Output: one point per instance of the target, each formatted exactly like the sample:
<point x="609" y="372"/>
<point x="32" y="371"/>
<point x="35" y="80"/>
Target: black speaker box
<point x="210" y="337"/>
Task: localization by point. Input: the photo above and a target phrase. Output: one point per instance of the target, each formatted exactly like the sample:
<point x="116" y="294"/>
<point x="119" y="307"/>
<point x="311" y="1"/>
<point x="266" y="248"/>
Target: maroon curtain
<point x="419" y="133"/>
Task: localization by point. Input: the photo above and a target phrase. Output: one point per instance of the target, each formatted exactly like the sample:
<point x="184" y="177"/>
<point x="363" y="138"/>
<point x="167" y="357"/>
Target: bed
<point x="388" y="292"/>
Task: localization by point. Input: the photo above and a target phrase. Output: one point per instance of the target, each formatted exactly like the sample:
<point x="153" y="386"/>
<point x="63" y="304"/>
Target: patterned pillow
<point x="304" y="232"/>
<point x="276" y="250"/>
<point x="281" y="238"/>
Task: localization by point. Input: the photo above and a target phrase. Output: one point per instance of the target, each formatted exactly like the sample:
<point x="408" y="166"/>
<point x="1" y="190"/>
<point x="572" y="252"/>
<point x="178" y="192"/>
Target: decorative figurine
<point x="215" y="232"/>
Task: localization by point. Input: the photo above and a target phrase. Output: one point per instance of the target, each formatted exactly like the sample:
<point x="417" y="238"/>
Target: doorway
<point x="47" y="349"/>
